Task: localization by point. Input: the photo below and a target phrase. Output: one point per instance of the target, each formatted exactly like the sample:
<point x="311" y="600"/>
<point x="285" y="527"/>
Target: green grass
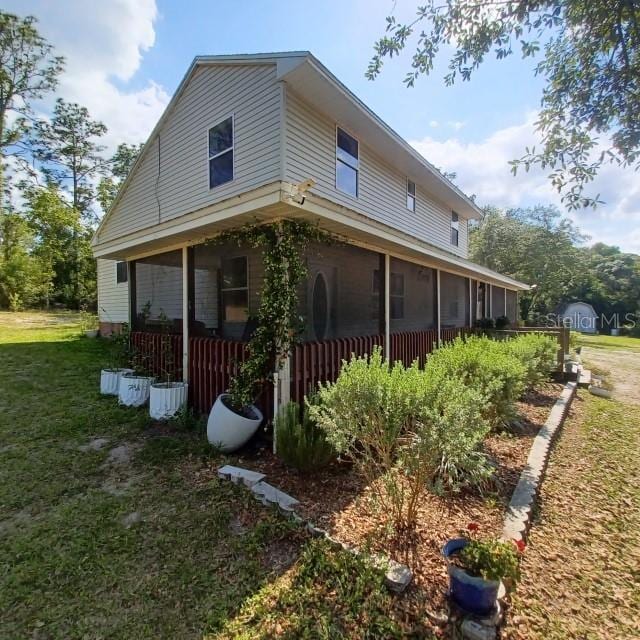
<point x="609" y="342"/>
<point x="202" y="561"/>
<point x="580" y="570"/>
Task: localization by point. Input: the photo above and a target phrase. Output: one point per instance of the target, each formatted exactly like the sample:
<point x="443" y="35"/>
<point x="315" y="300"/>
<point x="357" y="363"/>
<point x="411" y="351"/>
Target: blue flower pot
<point x="473" y="594"/>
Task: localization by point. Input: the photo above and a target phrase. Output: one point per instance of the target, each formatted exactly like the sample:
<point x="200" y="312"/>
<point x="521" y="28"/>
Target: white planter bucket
<point x="166" y="399"/>
<point x="228" y="430"/>
<point x="133" y="391"/>
<point x="91" y="333"/>
<point x="110" y="381"/>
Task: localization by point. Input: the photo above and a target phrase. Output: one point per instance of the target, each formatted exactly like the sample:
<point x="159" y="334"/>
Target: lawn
<point x="609" y="342"/>
<point x="580" y="570"/>
<point x="118" y="541"/>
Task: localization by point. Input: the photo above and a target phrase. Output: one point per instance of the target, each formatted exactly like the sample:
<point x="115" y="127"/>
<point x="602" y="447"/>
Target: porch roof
<point x="279" y="200"/>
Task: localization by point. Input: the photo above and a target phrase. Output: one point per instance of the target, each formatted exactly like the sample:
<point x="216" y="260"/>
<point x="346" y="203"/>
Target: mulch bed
<point x="336" y="500"/>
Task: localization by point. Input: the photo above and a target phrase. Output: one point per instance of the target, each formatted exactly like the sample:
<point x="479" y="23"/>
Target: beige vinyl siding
<point x="113" y="298"/>
<point x="173" y="177"/>
<point x="310" y="153"/>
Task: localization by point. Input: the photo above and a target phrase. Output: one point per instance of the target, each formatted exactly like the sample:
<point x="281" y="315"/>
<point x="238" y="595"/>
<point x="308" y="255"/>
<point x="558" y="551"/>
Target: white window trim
<point x="346" y="193"/>
<point x="124" y="282"/>
<point x="455" y="226"/>
<point x="413" y="195"/>
<point x="232" y="148"/>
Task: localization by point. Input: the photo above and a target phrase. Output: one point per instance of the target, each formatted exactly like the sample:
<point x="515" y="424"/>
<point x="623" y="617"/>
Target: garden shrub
<point x="300" y="442"/>
<point x="502" y="322"/>
<point x="404" y="431"/>
<point x="487" y="366"/>
<point x="536" y="352"/>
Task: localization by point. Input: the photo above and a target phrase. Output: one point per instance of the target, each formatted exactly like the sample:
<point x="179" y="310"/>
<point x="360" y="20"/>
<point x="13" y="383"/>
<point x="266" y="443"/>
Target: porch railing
<point x="148" y="350"/>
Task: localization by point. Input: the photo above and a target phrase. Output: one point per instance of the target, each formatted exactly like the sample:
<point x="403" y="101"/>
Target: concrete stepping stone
<point x="238" y="475"/>
<point x="268" y="494"/>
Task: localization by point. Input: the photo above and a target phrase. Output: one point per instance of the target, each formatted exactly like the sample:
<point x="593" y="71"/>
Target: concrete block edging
<point x="520" y="510"/>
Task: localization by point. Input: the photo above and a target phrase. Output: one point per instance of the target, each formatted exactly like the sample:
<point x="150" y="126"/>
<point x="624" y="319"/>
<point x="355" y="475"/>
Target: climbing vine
<point x="278" y="322"/>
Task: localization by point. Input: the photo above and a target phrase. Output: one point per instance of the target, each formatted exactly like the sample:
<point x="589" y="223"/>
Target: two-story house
<point x="272" y="136"/>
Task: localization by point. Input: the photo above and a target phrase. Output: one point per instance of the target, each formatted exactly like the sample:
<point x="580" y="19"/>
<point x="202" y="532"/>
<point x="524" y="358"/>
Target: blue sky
<point x="126" y="57"/>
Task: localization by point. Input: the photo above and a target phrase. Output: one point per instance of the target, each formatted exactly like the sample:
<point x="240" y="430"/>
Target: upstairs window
<point x="235" y="289"/>
<point x="122" y="274"/>
<point x="347" y="163"/>
<point x="455" y="229"/>
<point x="411" y="195"/>
<point x="221" y="153"/>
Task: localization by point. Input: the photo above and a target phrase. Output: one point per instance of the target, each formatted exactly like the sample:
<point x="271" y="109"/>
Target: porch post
<point x="505" y="301"/>
<point x="438" y="306"/>
<point x="131" y="279"/>
<point x="471" y="319"/>
<point x="387" y="305"/>
<point x="185" y="313"/>
<point x="490" y="286"/>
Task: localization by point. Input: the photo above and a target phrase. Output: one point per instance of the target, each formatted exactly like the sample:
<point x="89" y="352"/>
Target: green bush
<point x="300" y="442"/>
<point x="404" y="431"/>
<point x="502" y="322"/>
<point x="488" y="367"/>
<point x="536" y="352"/>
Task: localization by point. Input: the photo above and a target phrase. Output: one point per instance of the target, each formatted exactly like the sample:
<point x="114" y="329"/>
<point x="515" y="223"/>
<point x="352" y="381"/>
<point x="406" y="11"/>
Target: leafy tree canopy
<point x="588" y="52"/>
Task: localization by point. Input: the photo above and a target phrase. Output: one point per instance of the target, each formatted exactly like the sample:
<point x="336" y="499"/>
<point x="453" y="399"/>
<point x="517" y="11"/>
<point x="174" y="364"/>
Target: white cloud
<point x="456" y="125"/>
<point x="103" y="43"/>
<point x="483" y="169"/>
<point x="434" y="124"/>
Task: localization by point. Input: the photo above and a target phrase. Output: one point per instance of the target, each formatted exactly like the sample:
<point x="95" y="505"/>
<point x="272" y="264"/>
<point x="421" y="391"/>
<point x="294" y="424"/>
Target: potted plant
<point x="168" y="396"/>
<point x="119" y="356"/>
<point x="135" y="385"/>
<point x="502" y="322"/>
<point x="477" y="566"/>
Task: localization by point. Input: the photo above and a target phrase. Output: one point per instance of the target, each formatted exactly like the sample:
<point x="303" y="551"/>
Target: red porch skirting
<point x="214" y="362"/>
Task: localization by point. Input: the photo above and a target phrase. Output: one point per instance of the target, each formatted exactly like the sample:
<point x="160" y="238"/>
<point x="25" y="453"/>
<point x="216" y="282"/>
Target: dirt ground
<point x="622" y="368"/>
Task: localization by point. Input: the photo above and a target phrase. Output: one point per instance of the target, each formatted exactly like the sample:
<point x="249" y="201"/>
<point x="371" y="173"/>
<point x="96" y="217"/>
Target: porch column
<point x="131" y="280"/>
<point x="185" y="313"/>
<point x="387" y="306"/>
<point x="438" y="306"/>
<point x="490" y="287"/>
<point x="471" y="318"/>
<point x="505" y="301"/>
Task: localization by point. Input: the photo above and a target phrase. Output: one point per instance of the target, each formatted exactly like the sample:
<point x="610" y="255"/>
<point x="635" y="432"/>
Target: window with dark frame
<point x="455" y="229"/>
<point x="411" y="195"/>
<point x="235" y="289"/>
<point x="347" y="163"/>
<point x="122" y="272"/>
<point x="396" y="294"/>
<point x="221" y="153"/>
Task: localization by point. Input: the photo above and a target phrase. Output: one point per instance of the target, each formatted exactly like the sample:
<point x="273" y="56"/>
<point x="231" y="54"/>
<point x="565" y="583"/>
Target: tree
<point x="120" y="165"/>
<point x="69" y="153"/>
<point x="590" y="60"/>
<point x="56" y="229"/>
<point x="28" y="71"/>
<point x="70" y="157"/>
<point x="536" y="246"/>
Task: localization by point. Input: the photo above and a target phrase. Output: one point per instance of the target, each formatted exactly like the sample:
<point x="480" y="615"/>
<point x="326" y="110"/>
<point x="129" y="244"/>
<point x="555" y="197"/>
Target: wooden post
<point x="470" y="302"/>
<point x="505" y="301"/>
<point x="438" y="306"/>
<point x="490" y="287"/>
<point x="185" y="314"/>
<point x="387" y="306"/>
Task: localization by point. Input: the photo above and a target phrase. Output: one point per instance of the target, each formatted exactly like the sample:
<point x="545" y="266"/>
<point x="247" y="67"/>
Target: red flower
<point x="473" y="526"/>
<point x="520" y="545"/>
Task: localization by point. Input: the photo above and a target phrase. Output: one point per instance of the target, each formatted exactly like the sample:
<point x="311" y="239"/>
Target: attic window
<point x="455" y="229"/>
<point x="221" y="153"/>
<point x="411" y="195"/>
<point x="347" y="163"/>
